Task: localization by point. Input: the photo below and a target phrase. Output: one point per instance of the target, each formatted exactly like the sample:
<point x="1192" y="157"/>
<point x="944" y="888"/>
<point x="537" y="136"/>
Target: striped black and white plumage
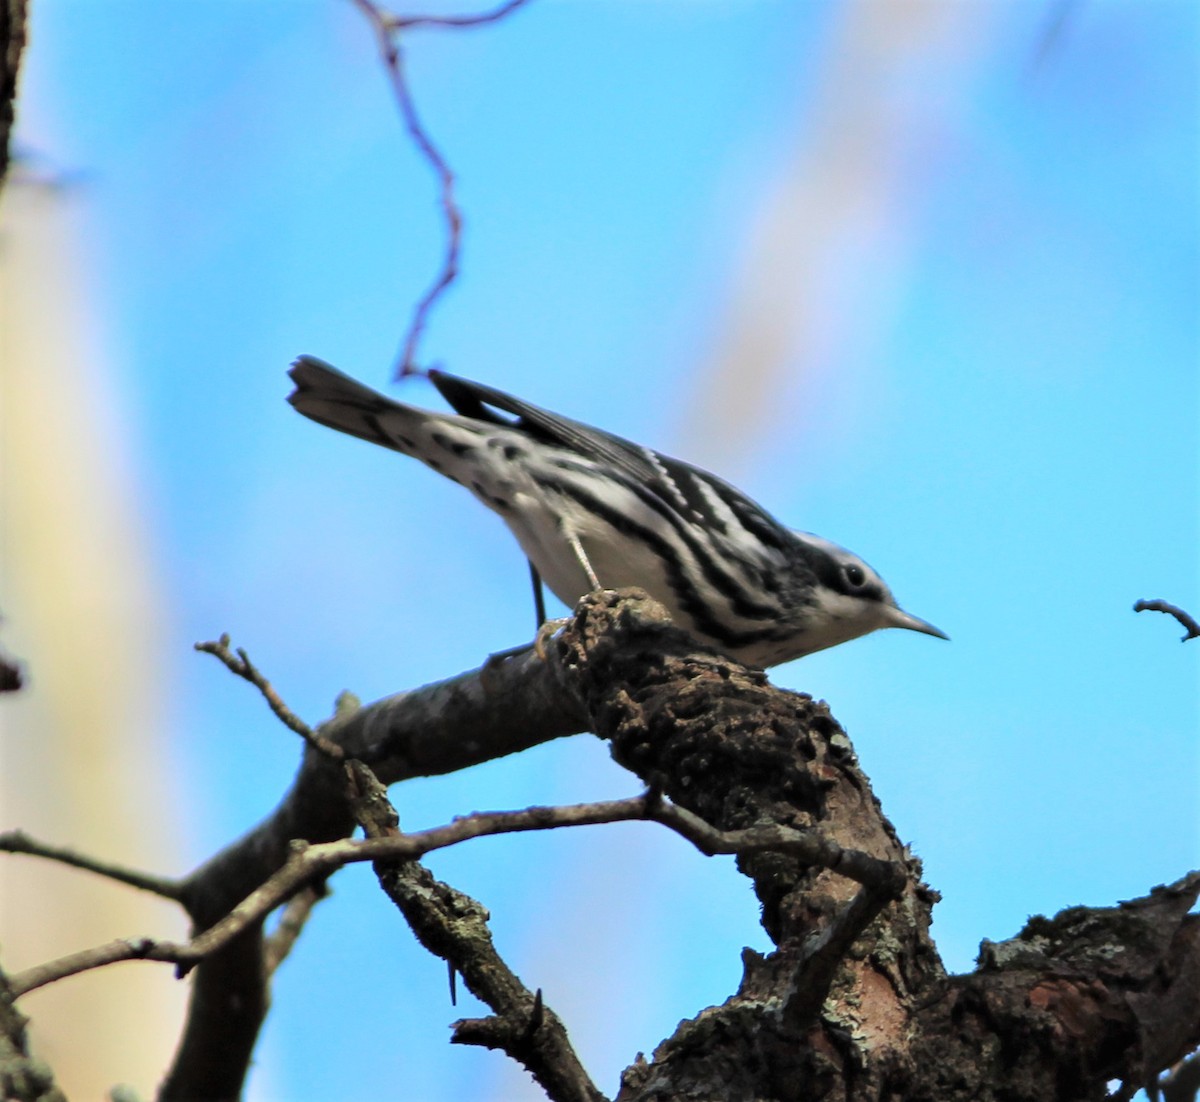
<point x="591" y="510"/>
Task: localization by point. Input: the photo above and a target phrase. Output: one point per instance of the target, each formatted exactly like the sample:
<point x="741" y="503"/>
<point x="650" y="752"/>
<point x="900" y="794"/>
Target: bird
<point x="594" y="511"/>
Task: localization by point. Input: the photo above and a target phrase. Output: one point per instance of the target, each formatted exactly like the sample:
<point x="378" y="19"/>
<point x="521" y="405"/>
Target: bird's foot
<point x="544" y="635"/>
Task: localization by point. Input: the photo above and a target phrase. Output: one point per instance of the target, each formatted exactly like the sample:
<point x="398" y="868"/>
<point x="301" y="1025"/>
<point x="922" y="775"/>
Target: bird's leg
<point x="581" y="558"/>
<point x="539" y="597"/>
<point x="545" y="629"/>
<point x="548" y="627"/>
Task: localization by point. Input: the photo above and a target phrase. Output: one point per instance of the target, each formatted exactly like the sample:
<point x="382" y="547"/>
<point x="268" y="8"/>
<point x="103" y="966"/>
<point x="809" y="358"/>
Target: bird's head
<point x="849" y="598"/>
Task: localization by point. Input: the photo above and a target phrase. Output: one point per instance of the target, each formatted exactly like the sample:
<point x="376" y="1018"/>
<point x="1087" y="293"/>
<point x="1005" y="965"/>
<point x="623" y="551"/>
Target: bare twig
<point x="431" y="730"/>
<point x="111" y="952"/>
<point x="17" y="841"/>
<point x="241" y="665"/>
<point x="388" y="29"/>
<point x="1187" y="621"/>
<point x="309" y="863"/>
<point x="291" y="923"/>
<point x="406" y="22"/>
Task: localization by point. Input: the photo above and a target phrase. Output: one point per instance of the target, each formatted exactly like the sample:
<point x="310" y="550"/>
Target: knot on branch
<point x="714" y="735"/>
<point x="719" y="739"/>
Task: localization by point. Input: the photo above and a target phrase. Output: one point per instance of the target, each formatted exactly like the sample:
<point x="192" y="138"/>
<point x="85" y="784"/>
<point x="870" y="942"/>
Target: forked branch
<point x="310" y="864"/>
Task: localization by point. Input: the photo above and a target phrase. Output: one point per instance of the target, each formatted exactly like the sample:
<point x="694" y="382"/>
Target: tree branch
<point x="241" y="665"/>
<point x="854" y="987"/>
<point x="1189" y="624"/>
<point x="388" y="29"/>
<point x="309" y="864"/>
<point x="17" y="841"/>
<point x="291" y="924"/>
<point x="98" y="956"/>
<point x="454" y="926"/>
<point x="496" y="710"/>
<point x="23" y="1077"/>
<point x="407" y="22"/>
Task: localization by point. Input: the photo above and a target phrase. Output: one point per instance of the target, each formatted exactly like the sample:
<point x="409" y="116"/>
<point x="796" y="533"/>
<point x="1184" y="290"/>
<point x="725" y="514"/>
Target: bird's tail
<point x="328" y="396"/>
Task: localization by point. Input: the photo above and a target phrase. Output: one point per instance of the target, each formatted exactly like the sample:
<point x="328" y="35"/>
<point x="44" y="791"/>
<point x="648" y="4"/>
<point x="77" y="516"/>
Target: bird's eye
<point x="855" y="575"/>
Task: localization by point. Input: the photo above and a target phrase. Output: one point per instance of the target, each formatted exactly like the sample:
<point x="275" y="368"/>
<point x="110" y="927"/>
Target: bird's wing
<point x="686" y="489"/>
<point x="473" y="399"/>
<point x="333" y="398"/>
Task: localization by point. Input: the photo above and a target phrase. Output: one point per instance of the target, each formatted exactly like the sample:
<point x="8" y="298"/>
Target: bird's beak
<point x="898" y="618"/>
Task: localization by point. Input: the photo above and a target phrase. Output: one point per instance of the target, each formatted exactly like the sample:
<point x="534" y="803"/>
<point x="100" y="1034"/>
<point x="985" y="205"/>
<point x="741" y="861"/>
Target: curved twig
<point x="17" y="841"/>
<point x="388" y="29"/>
<point x="241" y="665"/>
<point x="1188" y="622"/>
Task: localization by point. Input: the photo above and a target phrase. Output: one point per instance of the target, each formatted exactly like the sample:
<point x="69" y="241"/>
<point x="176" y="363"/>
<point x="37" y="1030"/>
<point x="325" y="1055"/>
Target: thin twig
<point x="111" y="952"/>
<point x="291" y="923"/>
<point x="17" y="841"/>
<point x="1188" y="622"/>
<point x="241" y="665"/>
<point x="388" y="29"/>
<point x="308" y="863"/>
<point x="406" y="22"/>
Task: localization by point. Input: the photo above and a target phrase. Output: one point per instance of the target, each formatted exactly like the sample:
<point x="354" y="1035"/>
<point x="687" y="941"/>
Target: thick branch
<point x="1072" y="1002"/>
<point x="854" y="988"/>
<point x="621" y="651"/>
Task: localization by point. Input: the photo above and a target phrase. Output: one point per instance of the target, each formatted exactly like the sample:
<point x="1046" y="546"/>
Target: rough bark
<point x="1072" y="1003"/>
<point x="23" y="1077"/>
<point x="853" y="1003"/>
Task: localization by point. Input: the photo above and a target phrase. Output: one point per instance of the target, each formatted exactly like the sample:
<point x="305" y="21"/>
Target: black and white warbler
<point x="592" y="510"/>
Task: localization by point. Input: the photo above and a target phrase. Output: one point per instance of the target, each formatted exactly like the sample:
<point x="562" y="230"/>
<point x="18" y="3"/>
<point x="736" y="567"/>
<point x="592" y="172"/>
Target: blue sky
<point x="999" y="409"/>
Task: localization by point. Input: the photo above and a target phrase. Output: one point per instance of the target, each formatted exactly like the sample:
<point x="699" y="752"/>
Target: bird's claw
<point x="544" y="635"/>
